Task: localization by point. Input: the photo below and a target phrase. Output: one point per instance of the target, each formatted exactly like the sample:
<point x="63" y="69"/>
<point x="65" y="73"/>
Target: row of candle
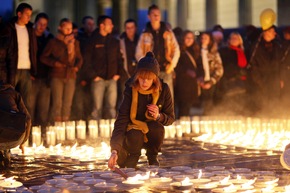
<point x="75" y="153"/>
<point x="177" y="178"/>
<point x="270" y="134"/>
<point x="72" y="130"/>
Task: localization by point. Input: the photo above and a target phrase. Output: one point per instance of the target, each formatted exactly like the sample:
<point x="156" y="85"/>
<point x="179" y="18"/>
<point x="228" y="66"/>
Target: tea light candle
<point x="200" y="181"/>
<point x="104" y="128"/>
<point x="53" y="182"/>
<point x="93" y="129"/>
<point x="70" y="130"/>
<point x="49" y="190"/>
<point x="36" y="135"/>
<point x="183" y="185"/>
<point x="50" y="138"/>
<point x="60" y="133"/>
<point x="81" y="129"/>
<point x="105" y="186"/>
<point x="79" y="189"/>
<point x="10" y="183"/>
<point x="179" y="131"/>
<point x="161" y="180"/>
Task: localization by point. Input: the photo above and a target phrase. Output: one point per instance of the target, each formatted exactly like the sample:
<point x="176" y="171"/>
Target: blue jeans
<point x="104" y="89"/>
<point x="40" y="101"/>
<point x="62" y="91"/>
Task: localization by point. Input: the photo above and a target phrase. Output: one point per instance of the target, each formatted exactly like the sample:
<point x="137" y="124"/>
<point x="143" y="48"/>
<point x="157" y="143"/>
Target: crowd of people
<point x="82" y="73"/>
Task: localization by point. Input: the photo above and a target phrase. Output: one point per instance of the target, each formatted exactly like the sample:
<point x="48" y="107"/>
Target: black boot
<point x="152" y="159"/>
<point x="131" y="161"/>
<point x="7" y="158"/>
<point x="1" y="159"/>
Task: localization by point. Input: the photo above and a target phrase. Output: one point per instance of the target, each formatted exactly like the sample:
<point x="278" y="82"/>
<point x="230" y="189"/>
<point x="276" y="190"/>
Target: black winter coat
<point x="186" y="87"/>
<point x="106" y="58"/>
<point x="164" y="102"/>
<point x="266" y="69"/>
<point x="232" y="77"/>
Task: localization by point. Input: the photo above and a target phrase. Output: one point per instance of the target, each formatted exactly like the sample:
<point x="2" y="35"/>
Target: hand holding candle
<point x="153" y="111"/>
<point x="113" y="160"/>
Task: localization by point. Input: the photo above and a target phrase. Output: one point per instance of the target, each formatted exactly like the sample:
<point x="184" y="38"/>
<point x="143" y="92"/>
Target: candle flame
<point x="199" y="174"/>
<point x="230" y="188"/>
<point x="10" y="180"/>
<point x="225" y="180"/>
<point x="185" y="182"/>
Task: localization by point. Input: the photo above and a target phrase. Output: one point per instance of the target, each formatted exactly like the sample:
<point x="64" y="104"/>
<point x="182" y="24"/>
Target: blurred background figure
<point x="187" y="90"/>
<point x="232" y="87"/>
<point x="265" y="72"/>
<point x="62" y="53"/>
<point x="82" y="101"/>
<point x="128" y="42"/>
<point x="21" y="63"/>
<point x="105" y="70"/>
<point x="285" y="69"/>
<point x="159" y="38"/>
<point x="40" y="97"/>
<point x="212" y="71"/>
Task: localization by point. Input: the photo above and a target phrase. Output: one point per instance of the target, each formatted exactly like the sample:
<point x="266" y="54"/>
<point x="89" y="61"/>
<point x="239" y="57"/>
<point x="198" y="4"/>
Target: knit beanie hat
<point x="149" y="63"/>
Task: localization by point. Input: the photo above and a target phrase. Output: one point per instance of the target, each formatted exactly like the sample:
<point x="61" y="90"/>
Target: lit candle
<point x="70" y="130"/>
<point x="36" y="135"/>
<point x="186" y="184"/>
<point x="50" y="137"/>
<point x="105" y="130"/>
<point x="10" y="183"/>
<point x="81" y="129"/>
<point x="60" y="131"/>
<point x="93" y="129"/>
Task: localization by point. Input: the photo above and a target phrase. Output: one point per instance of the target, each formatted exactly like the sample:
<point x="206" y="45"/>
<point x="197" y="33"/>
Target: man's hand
<point x="59" y="65"/>
<point x="168" y="68"/>
<point x="205" y="85"/>
<point x="116" y="77"/>
<point x="97" y="78"/>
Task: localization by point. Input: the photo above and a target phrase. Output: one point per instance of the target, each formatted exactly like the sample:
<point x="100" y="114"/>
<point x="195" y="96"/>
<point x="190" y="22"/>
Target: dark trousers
<point x="82" y="103"/>
<point x="134" y="142"/>
<point x="23" y="85"/>
<point x="207" y="98"/>
<point x="40" y="101"/>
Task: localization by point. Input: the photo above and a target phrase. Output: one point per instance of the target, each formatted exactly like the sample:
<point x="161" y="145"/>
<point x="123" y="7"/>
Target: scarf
<point x="136" y="124"/>
<point x="69" y="41"/>
<point x="242" y="61"/>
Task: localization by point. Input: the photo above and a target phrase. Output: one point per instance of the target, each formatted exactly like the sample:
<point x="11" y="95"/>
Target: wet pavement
<point x="32" y="171"/>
